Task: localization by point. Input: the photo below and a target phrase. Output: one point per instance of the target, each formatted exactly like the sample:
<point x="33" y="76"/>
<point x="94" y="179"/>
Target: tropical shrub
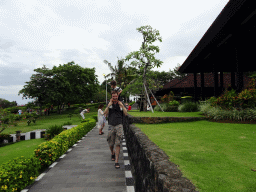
<point x="95" y="117"/>
<point x="217" y="113"/>
<point x="17" y="117"/>
<point x="5" y="120"/>
<point x="4" y="136"/>
<point x="171" y="108"/>
<point x="68" y="123"/>
<point x="163" y="106"/>
<point x="212" y="100"/>
<point x="188" y="107"/>
<point x="54" y="130"/>
<point x="227" y="100"/>
<point x="174" y="103"/>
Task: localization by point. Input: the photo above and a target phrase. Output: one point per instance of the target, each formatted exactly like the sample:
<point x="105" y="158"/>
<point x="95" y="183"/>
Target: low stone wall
<point x="153" y="170"/>
<point x="151" y="120"/>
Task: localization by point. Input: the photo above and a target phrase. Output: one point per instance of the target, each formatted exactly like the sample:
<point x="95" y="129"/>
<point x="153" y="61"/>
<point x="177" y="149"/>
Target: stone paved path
<point x="87" y="167"/>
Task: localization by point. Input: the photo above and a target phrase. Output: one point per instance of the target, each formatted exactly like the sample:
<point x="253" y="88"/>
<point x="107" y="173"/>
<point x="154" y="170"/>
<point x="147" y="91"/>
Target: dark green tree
<point x="39" y="87"/>
<point x="62" y="84"/>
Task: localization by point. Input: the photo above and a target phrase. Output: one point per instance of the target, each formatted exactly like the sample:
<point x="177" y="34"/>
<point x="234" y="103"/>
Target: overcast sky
<point x="34" y="33"/>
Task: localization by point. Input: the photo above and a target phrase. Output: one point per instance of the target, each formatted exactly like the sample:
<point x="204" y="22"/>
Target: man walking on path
<point x="115" y="110"/>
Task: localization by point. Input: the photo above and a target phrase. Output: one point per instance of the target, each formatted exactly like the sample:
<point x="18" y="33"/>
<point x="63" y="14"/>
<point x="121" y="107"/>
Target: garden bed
<point x="233" y="121"/>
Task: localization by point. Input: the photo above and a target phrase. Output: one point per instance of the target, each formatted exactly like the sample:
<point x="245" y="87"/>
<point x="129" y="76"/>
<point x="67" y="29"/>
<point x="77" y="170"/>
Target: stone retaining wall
<point x="153" y="170"/>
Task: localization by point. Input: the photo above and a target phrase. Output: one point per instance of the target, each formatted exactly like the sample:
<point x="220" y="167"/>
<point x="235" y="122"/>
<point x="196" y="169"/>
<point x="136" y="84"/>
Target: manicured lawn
<point x="214" y="156"/>
<point x="137" y="113"/>
<point x="44" y="122"/>
<point x="22" y="148"/>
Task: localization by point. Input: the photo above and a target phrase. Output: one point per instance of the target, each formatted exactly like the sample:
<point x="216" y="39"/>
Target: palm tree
<point x="118" y="72"/>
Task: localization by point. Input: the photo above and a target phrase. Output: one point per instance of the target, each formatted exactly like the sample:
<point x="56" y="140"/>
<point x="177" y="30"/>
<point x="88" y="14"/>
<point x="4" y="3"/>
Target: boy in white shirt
<point x="84" y="111"/>
<point x="115" y="88"/>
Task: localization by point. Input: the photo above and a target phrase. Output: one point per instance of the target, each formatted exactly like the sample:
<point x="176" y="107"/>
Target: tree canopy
<point x="65" y="83"/>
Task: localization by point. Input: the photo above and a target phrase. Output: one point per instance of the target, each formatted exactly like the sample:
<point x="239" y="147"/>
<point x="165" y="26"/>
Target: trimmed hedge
<point x="18" y="173"/>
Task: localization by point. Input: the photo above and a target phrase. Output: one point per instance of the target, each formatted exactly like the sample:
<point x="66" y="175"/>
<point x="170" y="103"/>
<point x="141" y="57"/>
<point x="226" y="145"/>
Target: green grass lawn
<point x="44" y="122"/>
<point x="137" y="113"/>
<point x="214" y="156"/>
<point x="22" y="148"/>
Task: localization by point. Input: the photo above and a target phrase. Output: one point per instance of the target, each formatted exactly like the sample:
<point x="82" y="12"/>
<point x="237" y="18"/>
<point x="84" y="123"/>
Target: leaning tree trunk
<point x="144" y="95"/>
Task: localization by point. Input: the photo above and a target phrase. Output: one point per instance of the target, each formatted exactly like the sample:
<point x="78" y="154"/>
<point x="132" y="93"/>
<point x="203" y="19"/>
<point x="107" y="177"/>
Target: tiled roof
<point x="188" y="81"/>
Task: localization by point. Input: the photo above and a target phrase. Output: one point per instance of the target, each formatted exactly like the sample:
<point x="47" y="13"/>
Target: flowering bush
<point x="16" y="174"/>
<point x="167" y="98"/>
<point x="229" y="99"/>
<point x="247" y="98"/>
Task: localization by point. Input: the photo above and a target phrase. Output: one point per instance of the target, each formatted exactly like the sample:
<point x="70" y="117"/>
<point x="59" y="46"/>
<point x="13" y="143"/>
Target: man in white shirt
<point x="20" y="111"/>
<point x="84" y="111"/>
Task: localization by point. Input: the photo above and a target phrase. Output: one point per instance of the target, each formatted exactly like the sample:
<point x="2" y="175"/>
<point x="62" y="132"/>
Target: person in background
<point x="20" y="111"/>
<point x="101" y="119"/>
<point x="129" y="107"/>
<point x="84" y="111"/>
<point x="115" y="88"/>
<point x="68" y="105"/>
<point x="115" y="111"/>
<point x="48" y="111"/>
<point x="45" y="111"/>
<point x="51" y="107"/>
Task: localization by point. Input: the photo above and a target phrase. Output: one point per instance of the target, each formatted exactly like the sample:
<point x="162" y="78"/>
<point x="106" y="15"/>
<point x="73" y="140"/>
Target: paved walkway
<point x="87" y="166"/>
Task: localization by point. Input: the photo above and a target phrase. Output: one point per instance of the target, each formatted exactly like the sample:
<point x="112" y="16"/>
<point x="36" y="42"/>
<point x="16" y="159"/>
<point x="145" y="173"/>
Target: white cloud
<point x="10" y="89"/>
<point x="171" y="62"/>
<point x="134" y="44"/>
<point x="2" y="63"/>
<point x="77" y="38"/>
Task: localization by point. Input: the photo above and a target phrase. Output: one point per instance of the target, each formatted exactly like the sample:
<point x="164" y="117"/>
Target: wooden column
<point x="215" y="78"/>
<point x="221" y="81"/>
<point x="195" y="86"/>
<point x="202" y="86"/>
<point x="239" y="72"/>
<point x="233" y="80"/>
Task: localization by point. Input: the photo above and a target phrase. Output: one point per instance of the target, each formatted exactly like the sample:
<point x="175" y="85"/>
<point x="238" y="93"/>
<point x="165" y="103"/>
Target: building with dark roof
<point x="227" y="46"/>
<point x="185" y="86"/>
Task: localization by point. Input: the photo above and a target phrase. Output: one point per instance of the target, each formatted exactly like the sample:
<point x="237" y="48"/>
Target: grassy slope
<point x="214" y="156"/>
<point x="26" y="148"/>
<point x="44" y="122"/>
<point x="23" y="148"/>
